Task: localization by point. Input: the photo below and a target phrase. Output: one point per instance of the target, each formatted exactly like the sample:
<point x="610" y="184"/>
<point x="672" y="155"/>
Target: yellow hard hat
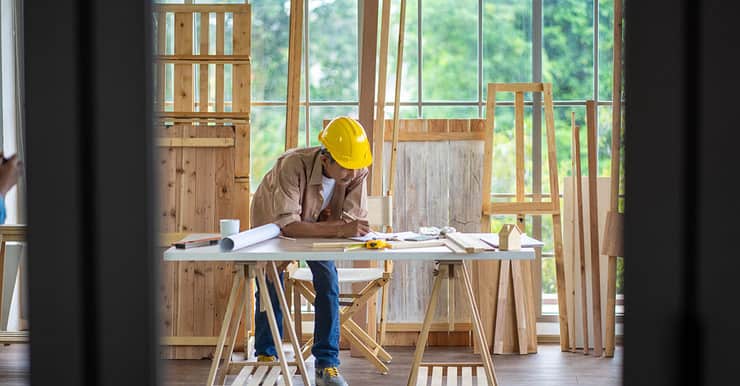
<point x="347" y="142"/>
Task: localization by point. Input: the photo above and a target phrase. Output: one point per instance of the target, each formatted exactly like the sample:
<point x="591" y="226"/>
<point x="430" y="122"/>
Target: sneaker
<point x="329" y="376"/>
<point x="265" y="358"/>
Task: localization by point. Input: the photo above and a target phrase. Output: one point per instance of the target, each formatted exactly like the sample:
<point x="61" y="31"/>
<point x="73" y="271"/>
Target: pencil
<point x="349" y="216"/>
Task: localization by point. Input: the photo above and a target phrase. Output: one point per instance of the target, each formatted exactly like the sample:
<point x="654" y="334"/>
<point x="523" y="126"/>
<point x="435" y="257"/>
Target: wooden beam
<point x="397" y="98"/>
<point x="594" y="226"/>
<point x="376" y="186"/>
<point x="189" y="340"/>
<point x="204" y="58"/>
<point x="195" y="142"/>
<point x="295" y="42"/>
<point x="368" y="55"/>
<point x="519" y="87"/>
<point x="190" y="8"/>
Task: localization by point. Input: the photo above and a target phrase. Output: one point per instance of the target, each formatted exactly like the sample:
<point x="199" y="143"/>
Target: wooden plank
<point x="368" y="56"/>
<point x="194" y="115"/>
<point x="534" y="208"/>
<point x="501" y="303"/>
<point x="488" y="157"/>
<point x="594" y="226"/>
<point x="557" y="232"/>
<point x="204" y="58"/>
<point x="520" y="307"/>
<point x="242" y="158"/>
<point x="580" y="233"/>
<point x="480" y="377"/>
<point x="436" y="376"/>
<point x="243" y="376"/>
<point x="258" y="375"/>
<point x="188" y="223"/>
<point x="220" y="67"/>
<point x="195" y="142"/>
<point x="519" y="87"/>
<point x="241" y="93"/>
<point x="405" y="136"/>
<point x="422" y="379"/>
<point x="452" y="376"/>
<point x="397" y="97"/>
<point x="468" y="242"/>
<point x="376" y="187"/>
<point x="203" y="66"/>
<point x="467" y="376"/>
<point x="272" y="377"/>
<point x="295" y="41"/>
<point x="190" y="8"/>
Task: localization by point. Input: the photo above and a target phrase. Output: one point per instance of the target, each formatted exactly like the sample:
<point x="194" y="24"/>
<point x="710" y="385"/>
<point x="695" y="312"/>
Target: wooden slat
<point x="535" y="208"/>
<point x="9" y="337"/>
<point x="522" y="323"/>
<point x="272" y="377"/>
<point x="488" y="157"/>
<point x="480" y="376"/>
<point x="243" y="376"/>
<point x="368" y="57"/>
<point x="220" y="67"/>
<point x="580" y="234"/>
<point x="195" y="142"/>
<point x="295" y="41"/>
<point x="258" y="375"/>
<point x="592" y="139"/>
<point x="376" y="187"/>
<point x="556" y="228"/>
<point x="190" y="8"/>
<point x="421" y="380"/>
<point x="397" y="97"/>
<point x="204" y="59"/>
<point x="435" y="136"/>
<point x="183" y="90"/>
<point x="291" y="371"/>
<point x="519" y="87"/>
<point x="164" y="115"/>
<point x="452" y="376"/>
<point x="501" y="304"/>
<point x="467" y="376"/>
<point x="203" y="66"/>
<point x="436" y="376"/>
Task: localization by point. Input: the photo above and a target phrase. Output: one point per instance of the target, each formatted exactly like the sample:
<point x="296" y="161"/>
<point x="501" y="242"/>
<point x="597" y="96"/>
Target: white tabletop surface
<point x="302" y="249"/>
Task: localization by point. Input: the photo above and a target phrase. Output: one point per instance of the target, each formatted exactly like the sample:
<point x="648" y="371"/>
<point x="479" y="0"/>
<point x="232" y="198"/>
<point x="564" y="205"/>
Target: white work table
<point x="258" y="262"/>
<point x="301" y="249"/>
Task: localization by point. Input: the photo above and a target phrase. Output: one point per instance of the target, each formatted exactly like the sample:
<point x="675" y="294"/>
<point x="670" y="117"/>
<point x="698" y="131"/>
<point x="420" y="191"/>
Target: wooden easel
<point x="520" y="272"/>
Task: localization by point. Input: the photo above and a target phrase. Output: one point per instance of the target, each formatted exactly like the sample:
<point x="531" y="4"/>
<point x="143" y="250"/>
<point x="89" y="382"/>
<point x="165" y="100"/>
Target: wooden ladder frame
<point x="520" y="208"/>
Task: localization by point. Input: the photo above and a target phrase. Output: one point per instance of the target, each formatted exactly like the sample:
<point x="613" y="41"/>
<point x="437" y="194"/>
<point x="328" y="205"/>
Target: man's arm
<point x="335" y="228"/>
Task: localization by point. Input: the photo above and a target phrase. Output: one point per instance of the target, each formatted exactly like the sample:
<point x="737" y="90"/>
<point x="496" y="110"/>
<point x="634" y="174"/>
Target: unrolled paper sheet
<point x="249" y="237"/>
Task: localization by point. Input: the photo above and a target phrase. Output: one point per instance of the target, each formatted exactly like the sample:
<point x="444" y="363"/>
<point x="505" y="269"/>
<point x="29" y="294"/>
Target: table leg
<point x="266" y="303"/>
<point x="422" y="341"/>
<point x="231" y="337"/>
<point x="478" y="328"/>
<point x="238" y="280"/>
<point x="289" y="322"/>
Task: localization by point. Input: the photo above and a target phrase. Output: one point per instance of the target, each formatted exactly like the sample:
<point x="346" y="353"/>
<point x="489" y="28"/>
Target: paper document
<point x="527" y="242"/>
<point x="385" y="236"/>
<point x="250" y="237"/>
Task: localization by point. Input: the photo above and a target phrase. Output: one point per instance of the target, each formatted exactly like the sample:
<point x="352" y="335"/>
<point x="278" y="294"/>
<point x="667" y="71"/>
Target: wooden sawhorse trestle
<point x="421" y="372"/>
<point x="240" y="299"/>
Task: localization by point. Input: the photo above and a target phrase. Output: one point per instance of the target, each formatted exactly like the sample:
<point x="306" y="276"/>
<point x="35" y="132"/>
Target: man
<point x="306" y="194"/>
<point x="9" y="170"/>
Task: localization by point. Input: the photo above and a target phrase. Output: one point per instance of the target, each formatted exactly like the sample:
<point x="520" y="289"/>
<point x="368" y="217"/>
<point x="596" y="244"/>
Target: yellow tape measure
<point x="376" y="244"/>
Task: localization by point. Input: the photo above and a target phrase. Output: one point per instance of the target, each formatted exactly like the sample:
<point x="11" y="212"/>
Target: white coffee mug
<point x="229" y="227"/>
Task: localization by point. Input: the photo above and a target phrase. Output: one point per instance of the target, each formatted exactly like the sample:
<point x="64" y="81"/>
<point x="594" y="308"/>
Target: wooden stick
<point x="581" y="241"/>
<point x="238" y="278"/>
<point x="594" y="227"/>
<point x="272" y="322"/>
<point x="272" y="271"/>
<point x="295" y="38"/>
<point x="376" y="187"/>
<point x="421" y="342"/>
<point x="611" y="278"/>
<point x="397" y="99"/>
<point x="556" y="229"/>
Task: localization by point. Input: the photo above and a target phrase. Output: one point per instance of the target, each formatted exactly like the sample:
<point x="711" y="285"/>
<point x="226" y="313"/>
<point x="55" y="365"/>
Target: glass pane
<point x="567" y="40"/>
<point x="410" y="73"/>
<point x="270" y="26"/>
<point x="507" y="43"/>
<point x="606" y="48"/>
<point x="333" y="50"/>
<point x="503" y="170"/>
<point x="450" y="50"/>
<point x="319" y="114"/>
<point x="267" y="140"/>
<point x="449" y="112"/>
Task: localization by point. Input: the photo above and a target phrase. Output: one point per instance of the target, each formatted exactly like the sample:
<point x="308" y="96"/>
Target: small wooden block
<point x="469" y="243"/>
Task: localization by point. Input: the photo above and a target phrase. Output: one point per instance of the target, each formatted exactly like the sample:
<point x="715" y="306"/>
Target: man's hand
<point x="354" y="228"/>
<point x="9" y="170"/>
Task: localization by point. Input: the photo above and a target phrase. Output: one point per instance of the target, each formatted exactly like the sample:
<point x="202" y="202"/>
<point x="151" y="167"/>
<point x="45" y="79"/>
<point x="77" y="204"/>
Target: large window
<point x="451" y="51"/>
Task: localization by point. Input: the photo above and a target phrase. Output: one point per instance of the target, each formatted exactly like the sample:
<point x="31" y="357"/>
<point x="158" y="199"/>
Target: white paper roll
<point x="249" y="237"/>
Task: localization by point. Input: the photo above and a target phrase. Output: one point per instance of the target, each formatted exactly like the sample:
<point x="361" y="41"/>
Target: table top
<point x="302" y="249"/>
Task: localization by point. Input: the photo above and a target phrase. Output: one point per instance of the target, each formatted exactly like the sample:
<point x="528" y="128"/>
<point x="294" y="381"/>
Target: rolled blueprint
<point x="249" y="237"/>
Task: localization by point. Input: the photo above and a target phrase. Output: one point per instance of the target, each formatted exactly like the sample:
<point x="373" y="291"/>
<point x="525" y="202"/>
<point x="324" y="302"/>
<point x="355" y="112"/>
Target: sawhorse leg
<point x="487" y="363"/>
<point x="238" y="281"/>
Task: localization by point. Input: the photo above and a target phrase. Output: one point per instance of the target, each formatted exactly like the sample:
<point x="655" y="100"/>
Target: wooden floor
<point x="548" y="367"/>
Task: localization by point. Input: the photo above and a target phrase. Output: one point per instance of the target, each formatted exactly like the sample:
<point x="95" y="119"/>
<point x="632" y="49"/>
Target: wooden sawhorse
<point x="483" y="371"/>
<point x="271" y="371"/>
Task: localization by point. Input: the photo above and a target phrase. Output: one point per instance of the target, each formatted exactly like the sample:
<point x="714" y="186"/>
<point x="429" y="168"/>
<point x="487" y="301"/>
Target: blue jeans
<point x="326" y="328"/>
